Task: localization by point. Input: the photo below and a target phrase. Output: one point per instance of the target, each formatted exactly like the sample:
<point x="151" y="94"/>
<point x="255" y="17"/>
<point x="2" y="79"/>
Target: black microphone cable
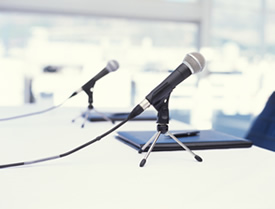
<point x="35" y="113"/>
<point x="65" y="153"/>
<point x="136" y="111"/>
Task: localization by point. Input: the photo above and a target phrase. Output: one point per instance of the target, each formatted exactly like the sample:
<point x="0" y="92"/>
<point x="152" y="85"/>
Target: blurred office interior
<point x="48" y="49"/>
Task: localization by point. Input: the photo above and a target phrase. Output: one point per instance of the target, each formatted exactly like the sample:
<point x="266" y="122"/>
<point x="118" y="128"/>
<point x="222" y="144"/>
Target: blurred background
<point x="48" y="49"/>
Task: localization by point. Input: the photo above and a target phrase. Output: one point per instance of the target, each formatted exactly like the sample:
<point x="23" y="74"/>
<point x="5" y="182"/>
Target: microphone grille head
<point x="195" y="61"/>
<point x="112" y="65"/>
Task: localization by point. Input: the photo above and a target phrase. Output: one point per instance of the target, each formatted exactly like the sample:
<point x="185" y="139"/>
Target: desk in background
<point x="107" y="173"/>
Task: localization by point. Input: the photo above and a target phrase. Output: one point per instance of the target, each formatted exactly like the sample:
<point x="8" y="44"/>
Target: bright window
<point x="79" y="47"/>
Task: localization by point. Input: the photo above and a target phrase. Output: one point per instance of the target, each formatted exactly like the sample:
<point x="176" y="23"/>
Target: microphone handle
<point x="162" y="91"/>
<point x="165" y="87"/>
<point x="87" y="86"/>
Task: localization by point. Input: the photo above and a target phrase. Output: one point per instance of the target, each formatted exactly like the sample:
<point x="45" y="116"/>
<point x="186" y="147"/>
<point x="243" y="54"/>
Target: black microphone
<point x="112" y="65"/>
<point x="192" y="63"/>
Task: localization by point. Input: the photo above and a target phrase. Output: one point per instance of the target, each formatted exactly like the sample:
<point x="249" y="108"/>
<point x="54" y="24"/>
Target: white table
<point x="107" y="173"/>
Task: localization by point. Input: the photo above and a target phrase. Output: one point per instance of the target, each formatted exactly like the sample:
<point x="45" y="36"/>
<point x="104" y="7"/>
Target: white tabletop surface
<point x="107" y="174"/>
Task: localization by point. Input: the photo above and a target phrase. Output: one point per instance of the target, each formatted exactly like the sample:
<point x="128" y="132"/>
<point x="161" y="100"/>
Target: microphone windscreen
<point x="112" y="65"/>
<point x="195" y="61"/>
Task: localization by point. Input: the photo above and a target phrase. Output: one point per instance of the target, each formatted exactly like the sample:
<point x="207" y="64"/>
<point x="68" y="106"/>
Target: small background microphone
<point x="112" y="65"/>
<point x="88" y="88"/>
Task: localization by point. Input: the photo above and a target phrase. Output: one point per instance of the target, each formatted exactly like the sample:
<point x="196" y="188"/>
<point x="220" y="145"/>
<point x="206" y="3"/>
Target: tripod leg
<point x="147" y="143"/>
<point x="73" y="120"/>
<point x="198" y="158"/>
<point x="104" y="116"/>
<point x="143" y="161"/>
<point x="86" y="117"/>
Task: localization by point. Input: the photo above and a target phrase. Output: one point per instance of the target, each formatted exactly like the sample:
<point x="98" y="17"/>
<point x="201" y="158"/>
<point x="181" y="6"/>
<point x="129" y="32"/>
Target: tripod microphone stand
<point x="162" y="128"/>
<point x="89" y="92"/>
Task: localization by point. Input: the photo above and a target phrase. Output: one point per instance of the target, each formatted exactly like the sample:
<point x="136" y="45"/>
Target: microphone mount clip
<point x="89" y="92"/>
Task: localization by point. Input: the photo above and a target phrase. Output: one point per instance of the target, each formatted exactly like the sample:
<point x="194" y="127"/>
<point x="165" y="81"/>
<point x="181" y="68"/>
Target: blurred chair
<point x="262" y="131"/>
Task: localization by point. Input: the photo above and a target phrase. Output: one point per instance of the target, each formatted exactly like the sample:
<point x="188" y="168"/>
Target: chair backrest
<point x="262" y="131"/>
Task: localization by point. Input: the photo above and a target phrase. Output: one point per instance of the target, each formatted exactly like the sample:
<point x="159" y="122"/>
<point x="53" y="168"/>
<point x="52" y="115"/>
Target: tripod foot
<point x="142" y="163"/>
<point x="198" y="158"/>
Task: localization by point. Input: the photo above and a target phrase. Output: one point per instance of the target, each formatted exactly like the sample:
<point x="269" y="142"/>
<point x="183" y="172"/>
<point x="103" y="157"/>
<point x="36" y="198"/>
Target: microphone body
<point x="111" y="66"/>
<point x="165" y="87"/>
<point x="87" y="86"/>
<point x="192" y="63"/>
